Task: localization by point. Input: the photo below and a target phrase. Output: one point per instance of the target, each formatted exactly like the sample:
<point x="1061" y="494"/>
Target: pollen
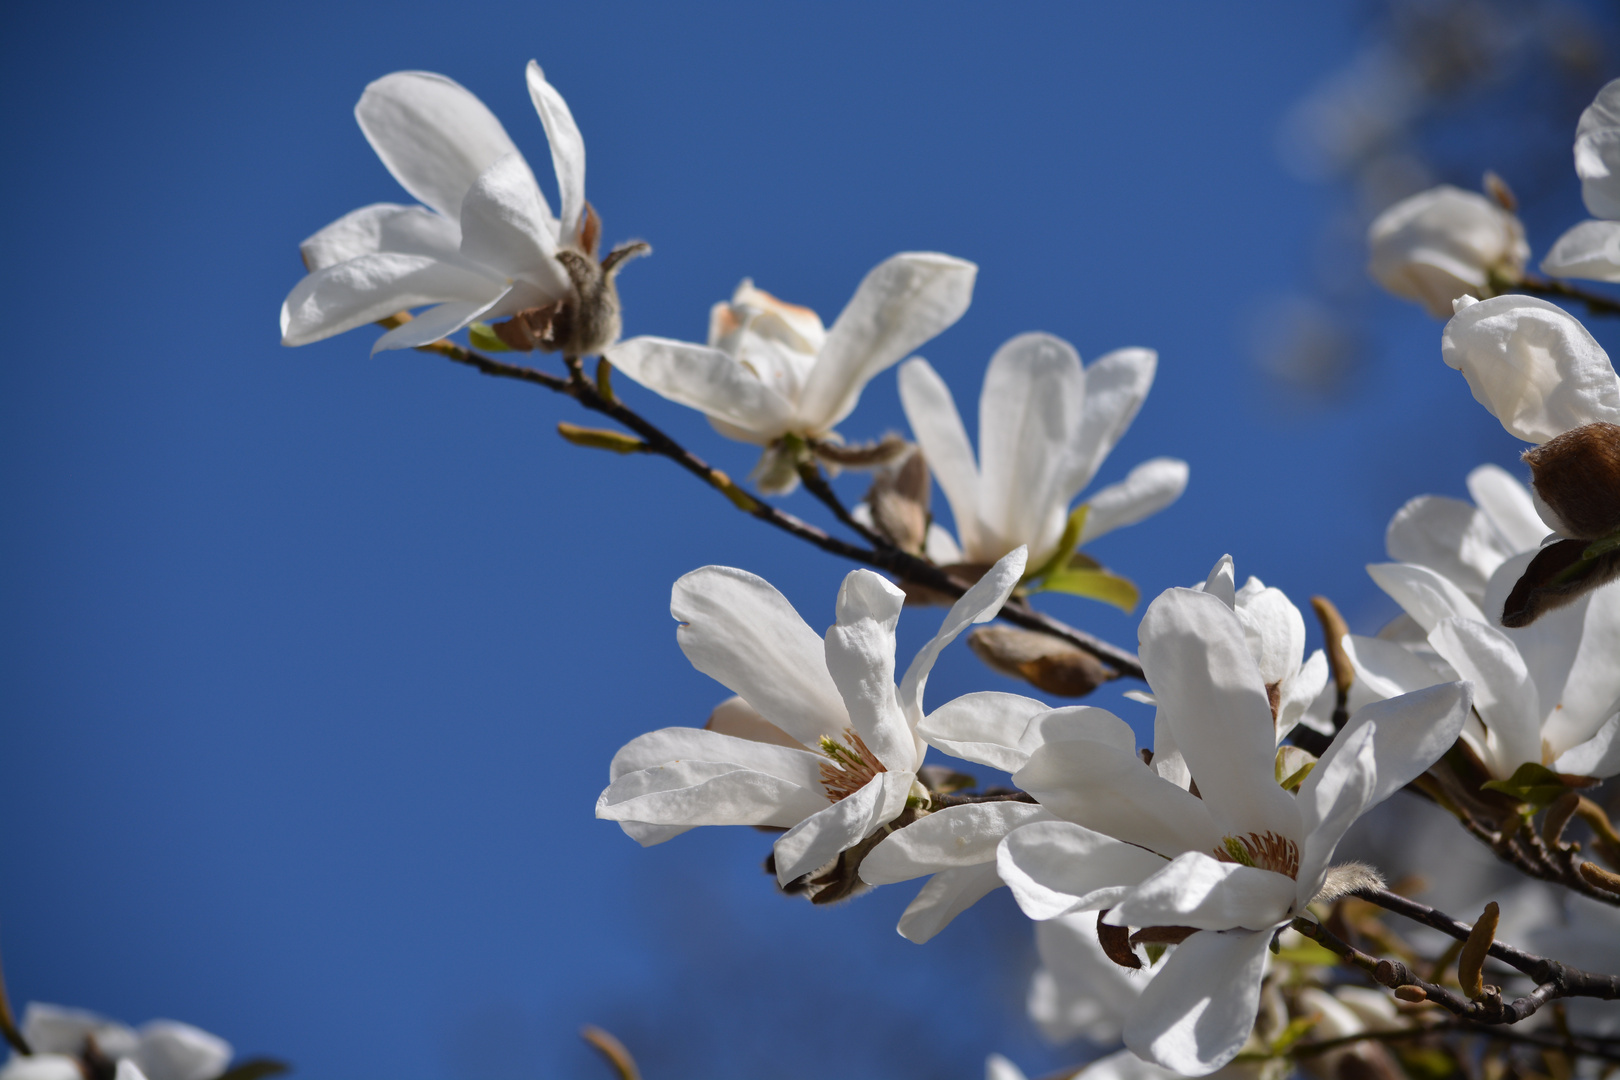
<point x="852" y="767"/>
<point x="1267" y="851"/>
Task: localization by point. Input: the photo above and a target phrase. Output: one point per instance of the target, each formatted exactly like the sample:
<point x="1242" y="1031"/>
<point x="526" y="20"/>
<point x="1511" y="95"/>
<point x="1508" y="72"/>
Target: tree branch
<point x="1596" y="303"/>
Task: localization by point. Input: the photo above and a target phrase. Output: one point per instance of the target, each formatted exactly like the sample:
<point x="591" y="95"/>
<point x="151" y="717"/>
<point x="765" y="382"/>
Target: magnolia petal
<point x="691" y="793"/>
<point x="1598" y="756"/>
<point x="1078" y="990"/>
<point x="1146" y="489"/>
<point x="1597" y="153"/>
<point x="1195" y="890"/>
<point x="738" y="630"/>
<point x="434" y="324"/>
<point x="1198" y="664"/>
<point x="1111" y="791"/>
<point x="432" y="134"/>
<point x="41" y="1066"/>
<point x="505" y="224"/>
<point x="1427" y="596"/>
<point x="1300" y="691"/>
<point x="404" y="230"/>
<point x="997" y="1067"/>
<point x="945" y="896"/>
<point x="940" y="547"/>
<point x="979" y="604"/>
<point x="1075" y="722"/>
<point x="1198" y="1011"/>
<point x="1123" y="1065"/>
<point x="937" y="426"/>
<point x="707" y="380"/>
<point x="58" y="1029"/>
<point x="1116" y="385"/>
<point x="173" y="1051"/>
<point x="1504" y="693"/>
<point x="985" y="728"/>
<point x="128" y="1070"/>
<point x="903" y="301"/>
<point x="1590" y="250"/>
<point x="954" y="837"/>
<point x="1273" y="628"/>
<point x="1450" y="537"/>
<point x="1386" y="669"/>
<point x="736" y="717"/>
<point x="1057" y="867"/>
<point x="1508" y="505"/>
<point x="651" y="835"/>
<point x="1222" y="582"/>
<point x="860" y="659"/>
<point x="567" y="150"/>
<point x="821" y="836"/>
<point x="1384" y="746"/>
<point x="371" y="287"/>
<point x="793" y="764"/>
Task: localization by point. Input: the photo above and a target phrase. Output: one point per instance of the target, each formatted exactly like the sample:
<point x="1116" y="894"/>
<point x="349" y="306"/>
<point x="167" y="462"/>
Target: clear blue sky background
<point x="313" y="663"/>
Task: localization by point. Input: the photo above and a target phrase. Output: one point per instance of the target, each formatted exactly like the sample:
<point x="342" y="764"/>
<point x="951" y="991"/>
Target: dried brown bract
<point x="1045" y="662"/>
<point x="1577" y="475"/>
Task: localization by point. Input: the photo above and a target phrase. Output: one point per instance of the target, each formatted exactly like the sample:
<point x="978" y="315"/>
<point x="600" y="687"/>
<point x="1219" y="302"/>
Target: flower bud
<point x="1047" y="663"/>
<point x="1577" y="476"/>
<point x="899" y="502"/>
<point x="1444" y="243"/>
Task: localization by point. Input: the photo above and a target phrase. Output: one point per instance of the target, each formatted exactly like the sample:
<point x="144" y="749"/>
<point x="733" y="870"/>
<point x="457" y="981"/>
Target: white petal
<point x="649" y="835"/>
<point x="1078" y="989"/>
<point x="1507" y="503"/>
<point x="1123" y="1065"/>
<point x="737" y="718"/>
<point x="1146" y="489"/>
<point x="175" y="1051"/>
<point x="567" y="149"/>
<point x="1116" y="385"/>
<point x="1384" y="747"/>
<point x="58" y="1029"/>
<point x="1441" y="244"/>
<point x="1571" y="655"/>
<point x="1427" y="596"/>
<point x="691" y="793"/>
<point x="434" y="324"/>
<point x="793" y="764"/>
<point x="1274" y="630"/>
<point x="1449" y="537"/>
<point x="372" y="287"/>
<point x="1196" y="890"/>
<point x="404" y="230"/>
<point x="1056" y="867"/>
<point x="432" y="133"/>
<point x="1590" y="250"/>
<point x="1504" y="692"/>
<point x="997" y="1067"/>
<point x="43" y="1066"/>
<point x="1387" y="669"/>
<point x="1076" y="722"/>
<point x="954" y="837"/>
<point x="128" y="1070"/>
<point x="1533" y="365"/>
<point x="940" y="548"/>
<point x="1112" y="792"/>
<point x="505" y="224"/>
<point x="1197" y="1012"/>
<point x="1597" y="152"/>
<point x="1299" y="691"/>
<point x="979" y="604"/>
<point x="1198" y="663"/>
<point x="860" y="659"/>
<point x="1029" y="418"/>
<point x="937" y="426"/>
<point x="1598" y="756"/>
<point x="946" y="896"/>
<point x="1222" y="582"/>
<point x="818" y="838"/>
<point x="985" y="728"/>
<point x="739" y="630"/>
<point x="707" y="380"/>
<point x="904" y="301"/>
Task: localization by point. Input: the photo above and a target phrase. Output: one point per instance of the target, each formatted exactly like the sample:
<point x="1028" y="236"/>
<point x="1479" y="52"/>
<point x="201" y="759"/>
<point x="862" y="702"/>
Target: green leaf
<point x="482" y="336"/>
<point x="1531" y="783"/>
<point x="1097" y="584"/>
<point x="1065" y="547"/>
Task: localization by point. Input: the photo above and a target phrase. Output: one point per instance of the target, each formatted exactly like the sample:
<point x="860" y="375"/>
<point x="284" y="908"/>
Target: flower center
<point x="852" y="767"/>
<point x="1266" y="851"/>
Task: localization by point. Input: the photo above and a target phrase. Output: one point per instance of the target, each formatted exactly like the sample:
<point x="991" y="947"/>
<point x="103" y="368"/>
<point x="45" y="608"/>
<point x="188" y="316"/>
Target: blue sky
<point x="313" y="662"/>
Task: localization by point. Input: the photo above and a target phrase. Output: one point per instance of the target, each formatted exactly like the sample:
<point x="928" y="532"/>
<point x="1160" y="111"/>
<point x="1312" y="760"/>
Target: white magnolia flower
<point x="770" y="370"/>
<point x="1466" y="542"/>
<point x="1234" y="863"/>
<point x="1045" y="426"/>
<point x="1122" y="1065"/>
<point x="1444" y="243"/>
<point x="482" y="245"/>
<point x="819" y="741"/>
<point x="1532" y="364"/>
<point x="1592" y="248"/>
<point x="159" y="1050"/>
<point x="1078" y="990"/>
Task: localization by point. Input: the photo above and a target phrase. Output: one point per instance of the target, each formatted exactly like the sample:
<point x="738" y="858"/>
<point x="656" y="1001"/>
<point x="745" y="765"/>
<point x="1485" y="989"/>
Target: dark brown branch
<point x="816" y="484"/>
<point x="1589" y="1045"/>
<point x="1596" y="303"/>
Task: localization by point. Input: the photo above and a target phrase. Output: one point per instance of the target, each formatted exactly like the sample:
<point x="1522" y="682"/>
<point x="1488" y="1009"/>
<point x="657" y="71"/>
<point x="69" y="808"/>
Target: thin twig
<point x="1589" y="1045"/>
<point x="816" y="484"/>
<point x="1596" y="303"/>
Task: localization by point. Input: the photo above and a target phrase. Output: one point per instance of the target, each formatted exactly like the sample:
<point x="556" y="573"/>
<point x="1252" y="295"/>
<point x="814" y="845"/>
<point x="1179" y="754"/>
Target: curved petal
<point x="170" y="1050"/>
<point x="505" y="224"/>
<point x="1598" y="756"/>
<point x="904" y="301"/>
<point x="937" y="426"/>
<point x="1116" y="386"/>
<point x="940" y="547"/>
<point x="1597" y="153"/>
<point x="58" y="1029"/>
<point x="567" y="149"/>
<point x="1384" y="747"/>
<point x="1108" y="790"/>
<point x="1078" y="990"/>
<point x="48" y="1066"/>
<point x="954" y="837"/>
<point x="404" y="230"/>
<point x="434" y="324"/>
<point x="737" y="718"/>
<point x="737" y="629"/>
<point x="1146" y="489"/>
<point x="979" y="604"/>
<point x="1571" y="655"/>
<point x="1504" y="692"/>
<point x="1300" y="691"/>
<point x="1056" y="867"/>
<point x="1202" y="674"/>
<point x="819" y="838"/>
<point x="985" y="728"/>
<point x="860" y="659"/>
<point x="793" y="764"/>
<point x="1387" y="669"/>
<point x="1273" y="628"/>
<point x="1450" y="537"/>
<point x="1079" y="722"/>
<point x="1425" y="595"/>
<point x="1029" y="418"/>
<point x="1509" y="506"/>
<point x="946" y="896"/>
<point x="432" y="134"/>
<point x="1197" y="1012"/>
<point x="651" y="835"/>
<point x="1195" y="890"/>
<point x="1590" y="250"/>
<point x="372" y="287"/>
<point x="704" y="379"/>
<point x="691" y="793"/>
<point x="1222" y="582"/>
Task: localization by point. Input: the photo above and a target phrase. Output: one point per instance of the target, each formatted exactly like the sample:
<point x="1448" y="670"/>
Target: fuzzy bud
<point x="1577" y="475"/>
<point x="1049" y="664"/>
<point x="899" y="502"/>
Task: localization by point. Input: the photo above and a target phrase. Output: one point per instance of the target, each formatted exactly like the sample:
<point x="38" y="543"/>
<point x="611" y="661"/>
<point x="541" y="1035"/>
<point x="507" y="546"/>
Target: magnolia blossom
<point x="160" y="1050"/>
<point x="1444" y="243"/>
<point x="770" y="369"/>
<point x="1234" y="863"/>
<point x="1078" y="990"/>
<point x="1532" y="364"/>
<point x="1045" y="426"/>
<point x="819" y="740"/>
<point x="1122" y="1065"/>
<point x="483" y="244"/>
<point x="1466" y="542"/>
<point x="1592" y="248"/>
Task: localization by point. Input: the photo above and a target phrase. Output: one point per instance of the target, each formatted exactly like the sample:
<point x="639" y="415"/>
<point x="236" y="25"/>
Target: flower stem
<point x="8" y="1023"/>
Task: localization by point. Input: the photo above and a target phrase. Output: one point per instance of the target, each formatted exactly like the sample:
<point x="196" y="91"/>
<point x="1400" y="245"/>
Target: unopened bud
<point x="1502" y="195"/>
<point x="1471" y="961"/>
<point x="899" y="502"/>
<point x="1577" y="475"/>
<point x="1049" y="664"/>
<point x="599" y="439"/>
<point x="1599" y="878"/>
<point x="1560" y="574"/>
<point x="1411" y="993"/>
